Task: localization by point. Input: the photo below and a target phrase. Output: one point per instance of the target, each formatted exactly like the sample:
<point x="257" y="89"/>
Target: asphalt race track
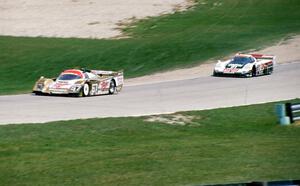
<point x="194" y="94"/>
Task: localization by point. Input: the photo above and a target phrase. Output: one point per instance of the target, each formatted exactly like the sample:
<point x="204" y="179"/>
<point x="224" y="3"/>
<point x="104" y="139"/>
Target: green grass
<point x="237" y="144"/>
<point x="157" y="44"/>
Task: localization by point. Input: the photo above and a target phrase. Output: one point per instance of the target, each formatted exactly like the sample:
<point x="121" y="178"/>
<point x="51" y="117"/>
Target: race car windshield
<point x="68" y="77"/>
<point x="242" y="60"/>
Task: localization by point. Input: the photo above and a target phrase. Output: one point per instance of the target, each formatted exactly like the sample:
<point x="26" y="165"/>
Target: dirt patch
<point x="79" y="18"/>
<point x="287" y="50"/>
<point x="173" y="119"/>
<point x="297" y="124"/>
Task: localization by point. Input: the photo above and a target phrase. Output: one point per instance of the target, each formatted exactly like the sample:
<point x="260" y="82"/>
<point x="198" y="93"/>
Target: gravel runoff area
<point x="78" y="18"/>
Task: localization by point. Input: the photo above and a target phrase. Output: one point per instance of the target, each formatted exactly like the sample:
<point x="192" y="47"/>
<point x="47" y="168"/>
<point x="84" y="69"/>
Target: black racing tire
<point x="84" y="91"/>
<point x="112" y="87"/>
<point x="37" y="93"/>
<point x="270" y="71"/>
<point x="266" y="71"/>
<point x="253" y="72"/>
<point x="215" y="74"/>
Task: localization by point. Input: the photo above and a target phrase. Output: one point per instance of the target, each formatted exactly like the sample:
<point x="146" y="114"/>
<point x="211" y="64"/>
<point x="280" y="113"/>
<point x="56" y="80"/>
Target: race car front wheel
<point x="37" y="93"/>
<point x="86" y="90"/>
<point x="253" y="72"/>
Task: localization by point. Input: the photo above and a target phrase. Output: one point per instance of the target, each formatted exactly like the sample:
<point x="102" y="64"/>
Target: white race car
<point x="246" y="65"/>
<point x="81" y="83"/>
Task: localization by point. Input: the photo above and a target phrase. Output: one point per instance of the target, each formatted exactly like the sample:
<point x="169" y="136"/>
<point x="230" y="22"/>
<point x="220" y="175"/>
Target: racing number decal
<point x="94" y="89"/>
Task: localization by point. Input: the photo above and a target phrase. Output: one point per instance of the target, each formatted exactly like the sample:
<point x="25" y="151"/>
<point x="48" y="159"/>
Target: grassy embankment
<point x="237" y="144"/>
<point x="211" y="29"/>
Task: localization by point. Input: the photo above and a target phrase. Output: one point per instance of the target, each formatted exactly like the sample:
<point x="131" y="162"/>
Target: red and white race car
<point x="81" y="83"/>
<point x="247" y="65"/>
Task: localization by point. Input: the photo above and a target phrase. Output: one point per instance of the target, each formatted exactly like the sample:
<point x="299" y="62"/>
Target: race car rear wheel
<point x="112" y="87"/>
<point x="268" y="71"/>
<point x="215" y="73"/>
<point x="253" y="72"/>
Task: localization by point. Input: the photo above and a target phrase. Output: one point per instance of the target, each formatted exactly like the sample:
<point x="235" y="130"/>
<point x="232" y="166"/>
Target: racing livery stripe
<point x="77" y="72"/>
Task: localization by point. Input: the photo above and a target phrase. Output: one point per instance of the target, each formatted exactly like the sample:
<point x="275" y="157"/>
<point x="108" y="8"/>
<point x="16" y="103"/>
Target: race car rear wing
<point x="264" y="57"/>
<point x="261" y="56"/>
<point x="107" y="73"/>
